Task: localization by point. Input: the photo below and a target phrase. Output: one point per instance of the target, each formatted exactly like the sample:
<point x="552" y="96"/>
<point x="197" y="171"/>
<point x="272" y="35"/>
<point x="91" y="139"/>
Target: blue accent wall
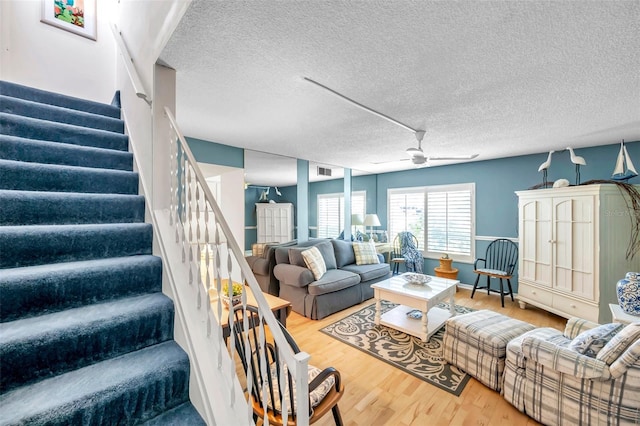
<point x="215" y="153"/>
<point x="495" y="181"/>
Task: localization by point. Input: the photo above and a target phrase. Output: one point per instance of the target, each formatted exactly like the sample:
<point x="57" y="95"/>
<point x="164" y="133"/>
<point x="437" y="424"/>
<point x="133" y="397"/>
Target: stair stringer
<point x="217" y="396"/>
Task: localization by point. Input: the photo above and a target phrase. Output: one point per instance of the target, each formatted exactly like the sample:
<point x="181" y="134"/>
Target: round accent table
<point x="451" y="274"/>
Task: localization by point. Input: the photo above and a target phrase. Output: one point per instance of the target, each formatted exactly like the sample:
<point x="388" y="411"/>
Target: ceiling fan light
<point x="415" y="152"/>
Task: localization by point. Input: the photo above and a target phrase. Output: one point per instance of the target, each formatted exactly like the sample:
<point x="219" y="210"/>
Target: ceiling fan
<point x="416" y="155"/>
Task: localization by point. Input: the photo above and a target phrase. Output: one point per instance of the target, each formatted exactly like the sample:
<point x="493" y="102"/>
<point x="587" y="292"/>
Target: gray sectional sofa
<point x="343" y="285"/>
<point x="262" y="267"/>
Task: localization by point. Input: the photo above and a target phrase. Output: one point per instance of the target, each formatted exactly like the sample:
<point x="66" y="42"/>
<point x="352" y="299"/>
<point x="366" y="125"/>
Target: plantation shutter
<point x="449" y="222"/>
<point x="331" y="212"/>
<point x="406" y="213"/>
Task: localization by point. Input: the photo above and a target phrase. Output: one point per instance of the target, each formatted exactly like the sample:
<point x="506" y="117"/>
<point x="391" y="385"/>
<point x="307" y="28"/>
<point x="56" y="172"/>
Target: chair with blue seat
<point x="500" y="261"/>
<point x="405" y="250"/>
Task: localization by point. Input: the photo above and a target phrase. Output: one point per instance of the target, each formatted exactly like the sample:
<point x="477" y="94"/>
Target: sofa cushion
<point x="292" y="275"/>
<point x="344" y="253"/>
<point x="365" y="253"/>
<point x="260" y="266"/>
<point x="592" y="341"/>
<point x="315" y="262"/>
<point x="326" y="249"/>
<point x="333" y="280"/>
<point x="620" y="342"/>
<point x="368" y="272"/>
<point x="295" y="256"/>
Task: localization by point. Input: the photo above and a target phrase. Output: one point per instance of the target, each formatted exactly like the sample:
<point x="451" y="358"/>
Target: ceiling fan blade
<point x="391" y="161"/>
<point x="459" y="157"/>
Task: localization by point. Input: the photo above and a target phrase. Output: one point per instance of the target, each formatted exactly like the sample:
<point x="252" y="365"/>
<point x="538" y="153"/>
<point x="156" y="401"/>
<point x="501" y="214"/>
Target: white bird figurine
<point x="578" y="161"/>
<point x="543" y="168"/>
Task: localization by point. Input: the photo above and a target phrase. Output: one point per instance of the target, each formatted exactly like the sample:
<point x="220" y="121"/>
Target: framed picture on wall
<point x="76" y="16"/>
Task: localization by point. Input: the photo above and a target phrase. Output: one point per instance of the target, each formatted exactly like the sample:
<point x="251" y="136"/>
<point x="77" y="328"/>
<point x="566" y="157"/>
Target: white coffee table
<point x="415" y="296"/>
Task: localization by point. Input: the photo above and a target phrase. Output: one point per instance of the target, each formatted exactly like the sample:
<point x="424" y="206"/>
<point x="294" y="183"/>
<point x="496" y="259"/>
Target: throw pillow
<point x="619" y="343"/>
<point x="590" y="342"/>
<point x="365" y="254"/>
<point x="315" y="262"/>
<point x="326" y="249"/>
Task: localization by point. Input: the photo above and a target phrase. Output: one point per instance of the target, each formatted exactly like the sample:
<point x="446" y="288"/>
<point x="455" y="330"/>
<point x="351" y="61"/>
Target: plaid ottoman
<point x="477" y="342"/>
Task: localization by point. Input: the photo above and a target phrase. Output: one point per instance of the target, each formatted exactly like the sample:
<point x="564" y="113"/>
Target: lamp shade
<point x="356" y="219"/>
<point x="371" y="220"/>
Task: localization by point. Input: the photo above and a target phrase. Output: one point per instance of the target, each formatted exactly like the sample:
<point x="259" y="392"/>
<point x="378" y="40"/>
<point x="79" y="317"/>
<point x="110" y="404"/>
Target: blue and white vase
<point x="628" y="290"/>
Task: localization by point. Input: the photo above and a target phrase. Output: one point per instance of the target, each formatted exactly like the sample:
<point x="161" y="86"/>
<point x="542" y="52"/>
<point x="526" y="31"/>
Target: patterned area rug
<point x="408" y="353"/>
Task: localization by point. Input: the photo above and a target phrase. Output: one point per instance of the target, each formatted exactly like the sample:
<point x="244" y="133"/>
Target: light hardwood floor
<point x="379" y="394"/>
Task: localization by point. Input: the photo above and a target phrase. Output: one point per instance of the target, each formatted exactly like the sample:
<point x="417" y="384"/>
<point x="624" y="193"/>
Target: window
<point x="406" y="213"/>
<point x="441" y="217"/>
<point x="331" y="212"/>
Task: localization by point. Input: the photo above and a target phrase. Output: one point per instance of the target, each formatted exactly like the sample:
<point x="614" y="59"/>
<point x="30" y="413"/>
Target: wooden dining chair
<point x="500" y="261"/>
<point x="398" y="255"/>
<point x="325" y="386"/>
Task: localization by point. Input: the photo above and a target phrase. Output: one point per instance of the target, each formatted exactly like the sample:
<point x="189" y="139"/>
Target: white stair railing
<point x="208" y="247"/>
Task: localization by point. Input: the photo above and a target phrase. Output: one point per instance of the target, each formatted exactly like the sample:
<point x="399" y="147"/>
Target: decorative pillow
<point x="619" y="343"/>
<point x="365" y="254"/>
<point x="315" y="262"/>
<point x="590" y="342"/>
<point x="326" y="250"/>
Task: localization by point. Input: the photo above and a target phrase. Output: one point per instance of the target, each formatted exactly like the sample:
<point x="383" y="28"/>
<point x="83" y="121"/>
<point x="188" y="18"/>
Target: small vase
<point x="628" y="290"/>
<point x="234" y="300"/>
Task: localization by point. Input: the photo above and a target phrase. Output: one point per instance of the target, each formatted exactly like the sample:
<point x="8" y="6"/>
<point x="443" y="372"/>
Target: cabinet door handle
<point x="534" y="292"/>
<point x="552" y="241"/>
<point x="573" y="306"/>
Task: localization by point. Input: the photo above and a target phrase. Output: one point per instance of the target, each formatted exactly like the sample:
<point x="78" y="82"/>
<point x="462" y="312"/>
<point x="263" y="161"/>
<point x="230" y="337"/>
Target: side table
<point x="618" y="315"/>
<point x="451" y="274"/>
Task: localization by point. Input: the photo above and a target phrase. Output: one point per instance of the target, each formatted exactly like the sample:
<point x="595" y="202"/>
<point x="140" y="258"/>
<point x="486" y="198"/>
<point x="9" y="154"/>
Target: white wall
<point x="40" y="55"/>
<point x="146" y="26"/>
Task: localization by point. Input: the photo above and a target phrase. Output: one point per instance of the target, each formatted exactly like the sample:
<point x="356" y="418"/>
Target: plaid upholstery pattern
<point x="476" y="343"/>
<point x="619" y="343"/>
<point x="315" y="262"/>
<point x="564" y="360"/>
<point x="543" y="380"/>
<point x="576" y="326"/>
<point x="365" y="254"/>
<point x="627" y="360"/>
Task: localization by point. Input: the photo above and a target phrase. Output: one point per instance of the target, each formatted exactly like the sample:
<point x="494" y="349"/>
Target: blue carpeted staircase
<point x="86" y="334"/>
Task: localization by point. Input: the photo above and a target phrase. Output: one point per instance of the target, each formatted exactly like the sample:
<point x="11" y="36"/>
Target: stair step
<point x="58" y="114"/>
<point x="48" y="208"/>
<point x="129" y="389"/>
<point x="51" y="98"/>
<point x="35" y="151"/>
<point x="184" y="414"/>
<point x="19" y="175"/>
<point x="47" y="345"/>
<point x="42" y="244"/>
<point x="42" y="289"/>
<point x="34" y="128"/>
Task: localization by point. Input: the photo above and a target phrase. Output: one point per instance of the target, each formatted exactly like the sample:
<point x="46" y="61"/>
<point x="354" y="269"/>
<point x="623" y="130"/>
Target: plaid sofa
<point x="556" y="385"/>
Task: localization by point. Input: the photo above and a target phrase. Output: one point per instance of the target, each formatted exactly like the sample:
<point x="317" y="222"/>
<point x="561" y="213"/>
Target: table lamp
<point x="371" y="220"/>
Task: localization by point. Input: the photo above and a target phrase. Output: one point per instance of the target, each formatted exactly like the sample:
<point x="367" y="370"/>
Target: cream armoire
<point x="573" y="244"/>
<point x="274" y="222"/>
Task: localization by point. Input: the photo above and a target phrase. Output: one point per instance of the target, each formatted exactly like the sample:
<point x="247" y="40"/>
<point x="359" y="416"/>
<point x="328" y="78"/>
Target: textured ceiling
<point x="494" y="78"/>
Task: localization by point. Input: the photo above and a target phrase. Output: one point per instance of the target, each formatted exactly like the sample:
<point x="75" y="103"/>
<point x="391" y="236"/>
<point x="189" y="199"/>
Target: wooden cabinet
<point x="573" y="244"/>
<point x="274" y="222"/>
